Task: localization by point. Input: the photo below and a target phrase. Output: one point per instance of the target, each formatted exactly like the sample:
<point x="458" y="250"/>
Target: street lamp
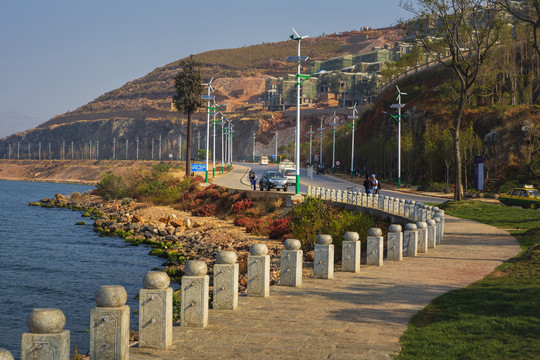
<point x="253" y="140"/>
<point x="298" y="59"/>
<point x="276" y="136"/>
<point x="213" y="108"/>
<point x="354" y="116"/>
<point x="397" y="117"/>
<point x="223" y="119"/>
<point x="321" y="129"/>
<point x="333" y="124"/>
<point x="310" y="133"/>
<point x="208" y="97"/>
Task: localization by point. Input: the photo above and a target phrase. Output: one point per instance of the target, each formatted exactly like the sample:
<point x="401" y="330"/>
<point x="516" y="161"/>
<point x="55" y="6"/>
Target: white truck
<point x="288" y="169"/>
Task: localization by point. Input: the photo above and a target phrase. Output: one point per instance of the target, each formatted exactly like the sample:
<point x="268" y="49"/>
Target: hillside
<point x="239" y="74"/>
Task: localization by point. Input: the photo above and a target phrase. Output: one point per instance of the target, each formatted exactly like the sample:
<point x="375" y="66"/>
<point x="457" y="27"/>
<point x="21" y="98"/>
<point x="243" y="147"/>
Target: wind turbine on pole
<point x="354" y="116"/>
<point x="397" y="117"/>
<point x="208" y="97"/>
<point x="298" y="59"/>
<point x="333" y="124"/>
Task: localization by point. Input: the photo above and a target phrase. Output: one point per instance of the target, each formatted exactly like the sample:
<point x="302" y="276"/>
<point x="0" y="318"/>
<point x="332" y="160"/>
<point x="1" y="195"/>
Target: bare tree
<point x="458" y="34"/>
<point x="189" y="88"/>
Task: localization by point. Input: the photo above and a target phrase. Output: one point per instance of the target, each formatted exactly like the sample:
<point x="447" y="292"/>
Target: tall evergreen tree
<point x="189" y="88"/>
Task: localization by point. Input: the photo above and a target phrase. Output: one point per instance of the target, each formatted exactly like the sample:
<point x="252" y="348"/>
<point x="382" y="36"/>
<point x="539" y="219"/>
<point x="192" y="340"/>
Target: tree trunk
<point x="188" y="146"/>
<point x="457" y="154"/>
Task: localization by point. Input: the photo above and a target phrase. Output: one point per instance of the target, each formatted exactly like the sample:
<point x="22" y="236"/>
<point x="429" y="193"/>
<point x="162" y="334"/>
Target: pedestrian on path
<point x="368" y="185"/>
<point x="253" y="179"/>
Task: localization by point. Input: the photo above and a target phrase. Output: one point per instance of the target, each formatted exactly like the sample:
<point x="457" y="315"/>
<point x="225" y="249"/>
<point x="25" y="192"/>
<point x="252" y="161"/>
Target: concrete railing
<point x="109" y="320"/>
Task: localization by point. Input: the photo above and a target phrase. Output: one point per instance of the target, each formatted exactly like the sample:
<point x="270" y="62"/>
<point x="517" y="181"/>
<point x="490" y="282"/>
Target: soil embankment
<point x="69" y="171"/>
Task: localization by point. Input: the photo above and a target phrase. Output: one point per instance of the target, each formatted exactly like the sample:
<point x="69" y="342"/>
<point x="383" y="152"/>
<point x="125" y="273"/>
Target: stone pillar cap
<point x="5" y="355"/>
<point x="437" y="219"/>
<point x="195" y="268"/>
<point x="351" y="236"/>
<point x="110" y="296"/>
<point x="410" y="226"/>
<point x="226" y="257"/>
<point x="324" y="239"/>
<point x="395" y="228"/>
<point x="391" y="198"/>
<point x="430" y="222"/>
<point x="421" y="225"/>
<point x="258" y="249"/>
<point x="292" y="244"/>
<point x="46" y="321"/>
<point x="156" y="280"/>
<point x="375" y="232"/>
<point x="402" y="200"/>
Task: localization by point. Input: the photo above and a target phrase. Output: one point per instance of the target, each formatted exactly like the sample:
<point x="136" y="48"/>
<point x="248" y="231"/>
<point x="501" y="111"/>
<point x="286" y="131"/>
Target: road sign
<point x="207" y="97"/>
<point x="338" y="163"/>
<point x="198" y="167"/>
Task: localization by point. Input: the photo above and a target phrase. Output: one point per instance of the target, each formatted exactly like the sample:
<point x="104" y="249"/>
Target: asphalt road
<point x="332" y="182"/>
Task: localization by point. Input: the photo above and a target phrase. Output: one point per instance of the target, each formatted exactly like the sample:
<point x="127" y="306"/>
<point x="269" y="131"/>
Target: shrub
<point x="126" y="201"/>
<point x="205" y="210"/>
<point x="280" y="228"/>
<point x="241" y="206"/>
<point x="509" y="185"/>
<point x="437" y="187"/>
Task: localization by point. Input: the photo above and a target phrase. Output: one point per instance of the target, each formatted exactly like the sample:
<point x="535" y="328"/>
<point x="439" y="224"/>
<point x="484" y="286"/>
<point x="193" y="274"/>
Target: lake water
<point x="47" y="261"/>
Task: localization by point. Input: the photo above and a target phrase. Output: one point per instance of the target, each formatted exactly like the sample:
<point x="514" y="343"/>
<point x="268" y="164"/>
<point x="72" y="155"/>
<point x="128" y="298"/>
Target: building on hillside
<point x="348" y="79"/>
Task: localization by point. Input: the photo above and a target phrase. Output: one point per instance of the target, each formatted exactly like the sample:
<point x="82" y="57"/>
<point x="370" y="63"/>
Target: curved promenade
<point x="353" y="316"/>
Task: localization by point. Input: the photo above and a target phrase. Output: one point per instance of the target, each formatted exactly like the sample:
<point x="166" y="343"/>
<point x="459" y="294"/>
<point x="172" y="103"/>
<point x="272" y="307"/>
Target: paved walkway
<point x="354" y="316"/>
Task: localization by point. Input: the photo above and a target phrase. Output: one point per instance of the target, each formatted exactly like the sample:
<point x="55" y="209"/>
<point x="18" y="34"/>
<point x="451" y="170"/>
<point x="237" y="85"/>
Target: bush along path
<point x="497" y="317"/>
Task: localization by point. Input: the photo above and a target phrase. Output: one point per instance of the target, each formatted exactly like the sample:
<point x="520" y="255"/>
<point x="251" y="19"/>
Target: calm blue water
<point x="48" y="261"/>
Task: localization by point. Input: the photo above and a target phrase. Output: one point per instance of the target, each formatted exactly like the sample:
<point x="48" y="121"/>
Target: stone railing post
<point x="422" y="237"/>
<point x="401" y="211"/>
<point x="155" y="311"/>
<point x="374" y="247"/>
<point x="109" y="324"/>
<point x="424" y="213"/>
<point x="369" y="202"/>
<point x="438" y="227"/>
<point x="225" y="281"/>
<point x="410" y="237"/>
<point x="309" y="190"/>
<point x="339" y="196"/>
<point x="350" y="254"/>
<point x="323" y="265"/>
<point x="380" y="201"/>
<point x="441" y="215"/>
<point x="406" y="209"/>
<point x="415" y="211"/>
<point x="258" y="275"/>
<point x="5" y="354"/>
<point x="47" y="339"/>
<point x="363" y="199"/>
<point x="432" y="233"/>
<point x="291" y="264"/>
<point x="195" y="289"/>
<point x="333" y="195"/>
<point x="385" y="206"/>
<point x="395" y="243"/>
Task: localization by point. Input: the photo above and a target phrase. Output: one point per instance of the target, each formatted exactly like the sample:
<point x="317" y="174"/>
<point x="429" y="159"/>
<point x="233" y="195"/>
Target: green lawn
<point x="497" y="317"/>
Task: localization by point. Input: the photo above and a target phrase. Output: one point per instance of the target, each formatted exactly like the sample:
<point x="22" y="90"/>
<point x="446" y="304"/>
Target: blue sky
<point x="57" y="55"/>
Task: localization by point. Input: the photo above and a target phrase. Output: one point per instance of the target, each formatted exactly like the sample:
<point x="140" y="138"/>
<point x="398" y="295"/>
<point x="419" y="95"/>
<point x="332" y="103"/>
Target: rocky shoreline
<point x="173" y="235"/>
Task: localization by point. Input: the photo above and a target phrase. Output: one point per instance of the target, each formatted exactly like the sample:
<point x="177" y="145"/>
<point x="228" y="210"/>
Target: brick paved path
<point x="354" y="316"/>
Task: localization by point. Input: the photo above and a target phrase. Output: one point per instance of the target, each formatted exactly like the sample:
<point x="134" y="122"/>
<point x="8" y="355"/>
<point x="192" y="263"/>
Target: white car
<point x="290" y="174"/>
<point x="263" y="160"/>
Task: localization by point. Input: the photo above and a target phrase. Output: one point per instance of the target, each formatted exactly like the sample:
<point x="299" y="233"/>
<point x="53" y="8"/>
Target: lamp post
<point x="223" y="119"/>
<point x="97" y="149"/>
<point x="397" y="117"/>
<point x="137" y="152"/>
<point x="159" y="139"/>
<point x="114" y="149"/>
<point x="207" y="97"/>
<point x="253" y="140"/>
<point x="354" y="116"/>
<point x="276" y="135"/>
<point x="213" y="108"/>
<point x="333" y="124"/>
<point x="310" y="133"/>
<point x="321" y="129"/>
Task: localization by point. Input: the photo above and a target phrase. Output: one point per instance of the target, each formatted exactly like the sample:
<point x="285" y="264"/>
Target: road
<point x="332" y="182"/>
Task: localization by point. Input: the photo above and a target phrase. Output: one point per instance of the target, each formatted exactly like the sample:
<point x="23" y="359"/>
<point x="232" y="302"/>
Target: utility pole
<point x="50" y="155"/>
<point x="97" y="150"/>
<point x="223" y="119"/>
<point x="114" y="149"/>
<point x="127" y="143"/>
<point x="137" y="141"/>
<point x="179" y="147"/>
<point x="9" y="151"/>
<point x="71" y="149"/>
<point x="353" y="117"/>
<point x="321" y="129"/>
<point x="39" y="150"/>
<point x="159" y="139"/>
<point x="90" y="151"/>
<point x="63" y="149"/>
<point x="276" y="135"/>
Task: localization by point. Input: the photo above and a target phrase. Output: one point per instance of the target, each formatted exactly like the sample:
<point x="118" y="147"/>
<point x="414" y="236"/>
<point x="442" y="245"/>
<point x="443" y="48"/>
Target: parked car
<point x="290" y="174"/>
<point x="321" y="169"/>
<point x="273" y="180"/>
<point x="527" y="197"/>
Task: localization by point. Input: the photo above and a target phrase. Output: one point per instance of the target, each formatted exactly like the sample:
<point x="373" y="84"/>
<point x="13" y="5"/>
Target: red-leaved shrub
<point x="280" y="228"/>
<point x="241" y="206"/>
<point x="205" y="210"/>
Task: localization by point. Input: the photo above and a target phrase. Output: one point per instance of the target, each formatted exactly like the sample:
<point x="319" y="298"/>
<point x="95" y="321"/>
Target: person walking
<point x="375" y="184"/>
<point x="368" y="185"/>
<point x="253" y="179"/>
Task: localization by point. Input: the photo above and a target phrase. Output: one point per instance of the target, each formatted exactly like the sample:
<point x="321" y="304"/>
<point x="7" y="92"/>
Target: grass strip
<point x="497" y="317"/>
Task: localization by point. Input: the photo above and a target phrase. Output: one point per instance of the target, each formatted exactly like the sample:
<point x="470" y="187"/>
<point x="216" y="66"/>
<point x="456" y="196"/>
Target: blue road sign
<point x="198" y="167"/>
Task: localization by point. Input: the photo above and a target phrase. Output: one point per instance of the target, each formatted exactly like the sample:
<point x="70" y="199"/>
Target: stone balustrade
<point x="109" y="320"/>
